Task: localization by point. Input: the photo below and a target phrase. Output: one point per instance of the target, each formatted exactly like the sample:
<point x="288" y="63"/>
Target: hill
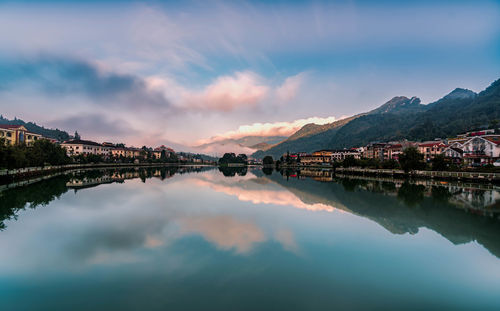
<point x="37" y="129"/>
<point x="305" y="140"/>
<point x="459" y="111"/>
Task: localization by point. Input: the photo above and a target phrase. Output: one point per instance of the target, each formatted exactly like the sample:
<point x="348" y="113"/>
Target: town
<point x="77" y="150"/>
<point x="477" y="149"/>
<point x="469" y="150"/>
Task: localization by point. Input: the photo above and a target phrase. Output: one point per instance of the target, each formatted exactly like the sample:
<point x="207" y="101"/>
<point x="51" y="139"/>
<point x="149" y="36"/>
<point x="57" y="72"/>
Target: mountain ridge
<point x="401" y="117"/>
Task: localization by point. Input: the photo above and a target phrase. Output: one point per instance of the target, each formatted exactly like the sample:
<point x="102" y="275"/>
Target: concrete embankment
<point x="471" y="176"/>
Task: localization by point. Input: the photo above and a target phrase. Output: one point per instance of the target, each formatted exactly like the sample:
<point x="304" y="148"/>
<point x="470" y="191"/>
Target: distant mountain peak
<point x="460" y="93"/>
<point x="399" y="104"/>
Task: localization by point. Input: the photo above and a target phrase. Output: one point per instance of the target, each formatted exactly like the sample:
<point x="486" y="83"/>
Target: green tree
<point x="439" y="163"/>
<point x="390" y="164"/>
<point x="411" y="160"/>
<point x="349" y="161"/>
<point x="268" y="160"/>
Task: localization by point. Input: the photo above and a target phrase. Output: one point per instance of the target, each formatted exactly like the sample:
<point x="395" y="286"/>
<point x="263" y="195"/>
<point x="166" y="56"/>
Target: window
<point x="9" y="134"/>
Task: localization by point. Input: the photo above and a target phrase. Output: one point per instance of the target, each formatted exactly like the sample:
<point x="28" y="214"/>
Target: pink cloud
<point x="268" y="129"/>
<point x="226" y="93"/>
<point x="288" y="90"/>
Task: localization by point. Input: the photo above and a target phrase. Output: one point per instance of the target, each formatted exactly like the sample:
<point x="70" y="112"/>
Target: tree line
<point x="41" y="153"/>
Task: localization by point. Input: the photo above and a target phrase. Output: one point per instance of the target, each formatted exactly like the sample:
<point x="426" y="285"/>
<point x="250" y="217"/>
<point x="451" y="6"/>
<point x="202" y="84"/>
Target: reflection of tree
<point x="232" y="171"/>
<point x="440" y="194"/>
<point x="411" y="194"/>
<point x="448" y="219"/>
<point x="349" y="184"/>
<point x="37" y="194"/>
<point x="43" y="192"/>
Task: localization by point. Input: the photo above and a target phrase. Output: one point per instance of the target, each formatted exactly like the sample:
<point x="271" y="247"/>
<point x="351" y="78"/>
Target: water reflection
<point x="308" y="233"/>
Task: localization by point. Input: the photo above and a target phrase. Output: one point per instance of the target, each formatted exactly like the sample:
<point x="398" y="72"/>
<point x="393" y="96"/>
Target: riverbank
<point x="445" y="175"/>
<point x="395" y="173"/>
<point x="22" y="174"/>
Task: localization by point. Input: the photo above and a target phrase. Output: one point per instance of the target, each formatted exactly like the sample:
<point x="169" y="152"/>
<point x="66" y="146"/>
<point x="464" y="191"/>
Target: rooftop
<point x="81" y="142"/>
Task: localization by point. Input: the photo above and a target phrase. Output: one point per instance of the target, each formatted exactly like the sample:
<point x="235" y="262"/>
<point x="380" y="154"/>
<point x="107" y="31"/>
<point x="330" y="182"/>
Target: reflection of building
<point x="17" y="134"/>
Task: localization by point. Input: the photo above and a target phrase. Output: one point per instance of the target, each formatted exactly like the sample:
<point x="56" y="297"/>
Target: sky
<point x="194" y="72"/>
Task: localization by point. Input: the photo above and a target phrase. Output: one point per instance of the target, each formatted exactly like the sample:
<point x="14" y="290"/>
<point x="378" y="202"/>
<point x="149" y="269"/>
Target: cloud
<point x="94" y="125"/>
<point x="59" y="76"/>
<point x="226" y="93"/>
<point x="268" y="129"/>
<point x="288" y="90"/>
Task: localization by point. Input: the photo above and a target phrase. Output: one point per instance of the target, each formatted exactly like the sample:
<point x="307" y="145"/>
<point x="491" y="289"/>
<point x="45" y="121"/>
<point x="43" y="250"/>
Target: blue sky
<point x="157" y="72"/>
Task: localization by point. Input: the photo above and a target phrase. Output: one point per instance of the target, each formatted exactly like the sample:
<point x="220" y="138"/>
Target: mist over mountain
<point x="401" y="117"/>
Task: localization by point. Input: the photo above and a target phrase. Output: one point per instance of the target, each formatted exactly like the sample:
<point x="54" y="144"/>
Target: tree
<point x="494" y="125"/>
<point x="349" y="161"/>
<point x="77" y="136"/>
<point x="268" y="160"/>
<point x="411" y="160"/>
<point x="439" y="163"/>
<point x="390" y="164"/>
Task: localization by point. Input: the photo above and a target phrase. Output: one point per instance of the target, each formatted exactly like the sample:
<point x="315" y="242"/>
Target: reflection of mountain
<point x="405" y="212"/>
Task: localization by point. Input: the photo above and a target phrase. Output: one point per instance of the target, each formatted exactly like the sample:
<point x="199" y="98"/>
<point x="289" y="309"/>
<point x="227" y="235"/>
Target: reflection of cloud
<point x="225" y="232"/>
<point x="287" y="240"/>
<point x="153" y="242"/>
<point x="264" y="196"/>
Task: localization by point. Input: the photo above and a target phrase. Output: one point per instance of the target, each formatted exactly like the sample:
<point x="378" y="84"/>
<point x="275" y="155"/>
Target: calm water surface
<point x="202" y="239"/>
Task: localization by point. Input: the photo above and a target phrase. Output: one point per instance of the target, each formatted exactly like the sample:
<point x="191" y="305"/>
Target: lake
<point x="200" y="238"/>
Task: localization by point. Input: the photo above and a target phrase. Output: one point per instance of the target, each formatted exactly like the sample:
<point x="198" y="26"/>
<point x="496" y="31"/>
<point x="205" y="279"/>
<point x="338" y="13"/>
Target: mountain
<point x="247" y="144"/>
<point x="34" y="128"/>
<point x="307" y="139"/>
<point x="459" y="111"/>
<point x="400" y="105"/>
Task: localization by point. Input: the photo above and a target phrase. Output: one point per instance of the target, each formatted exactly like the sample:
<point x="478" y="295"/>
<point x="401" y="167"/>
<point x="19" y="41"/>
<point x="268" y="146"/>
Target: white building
<point x="79" y="146"/>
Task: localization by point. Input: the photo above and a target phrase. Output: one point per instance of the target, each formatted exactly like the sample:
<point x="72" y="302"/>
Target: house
<point x="314" y="159"/>
<point x="340" y="155"/>
<point x="374" y="151"/>
<point x="118" y="152"/>
<point x="454" y="153"/>
<point x="431" y="148"/>
<point x="17" y="134"/>
<point x="157" y="152"/>
<point x="85" y="147"/>
<point x="481" y="150"/>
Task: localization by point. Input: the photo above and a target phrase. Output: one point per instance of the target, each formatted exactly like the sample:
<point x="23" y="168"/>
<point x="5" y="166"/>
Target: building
<point x="340" y="155"/>
<point x="85" y="147"/>
<point x="481" y="150"/>
<point x="374" y="151"/>
<point x="118" y="152"/>
<point x="455" y="153"/>
<point x="431" y="148"/>
<point x="132" y="152"/>
<point x="169" y="152"/>
<point x="17" y="134"/>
